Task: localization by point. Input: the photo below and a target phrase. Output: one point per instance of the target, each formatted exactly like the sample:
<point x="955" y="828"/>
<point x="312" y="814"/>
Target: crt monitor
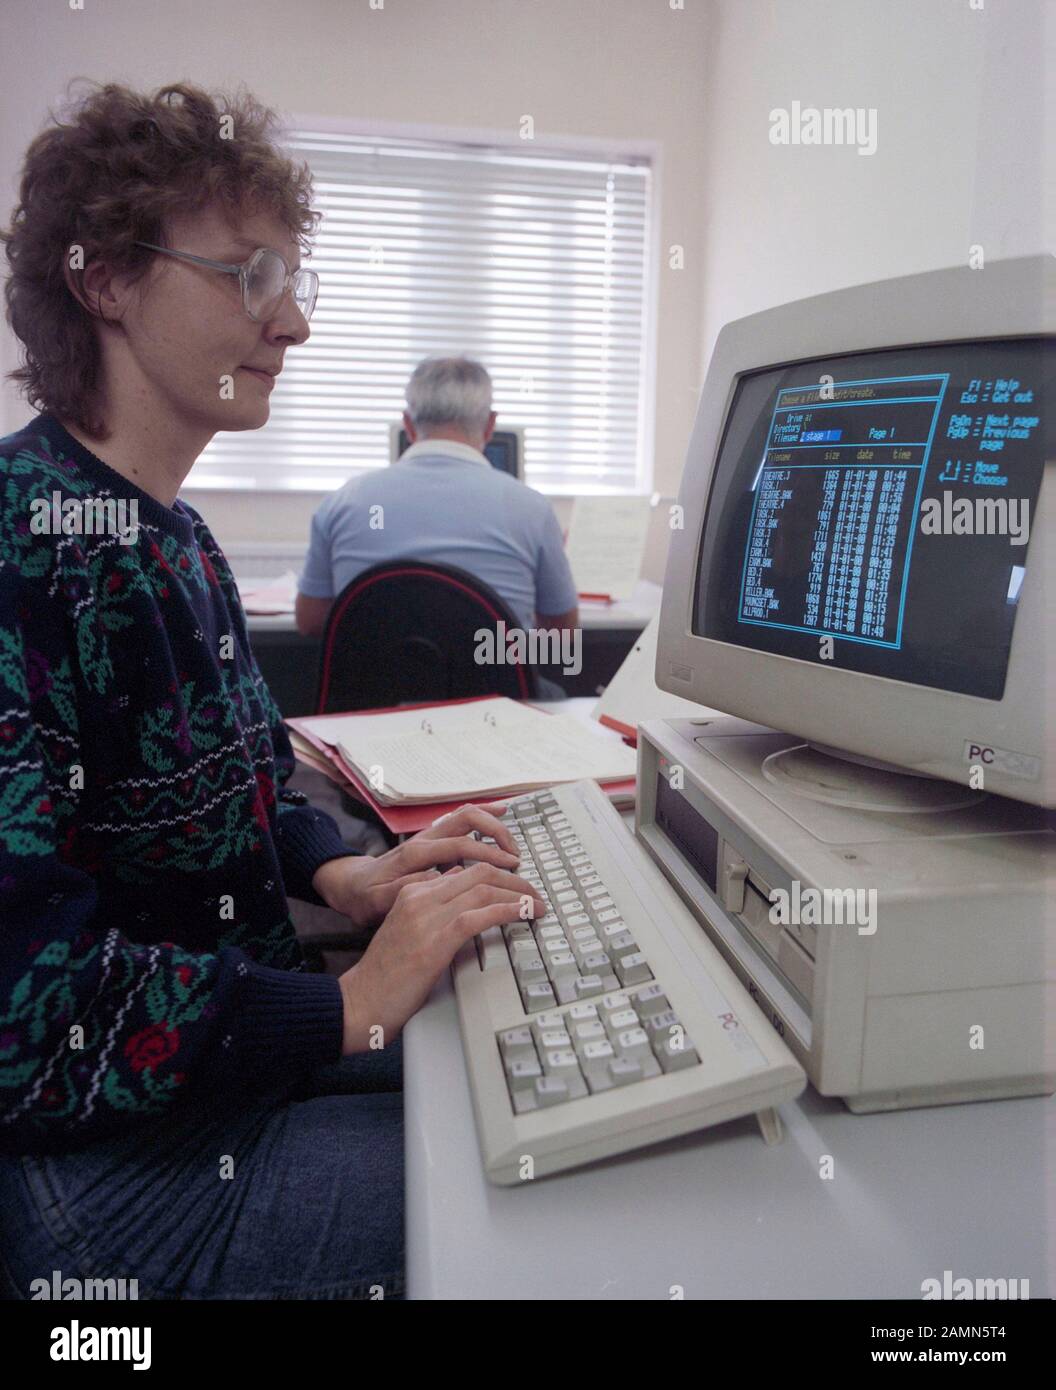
<point x="504" y="450"/>
<point x="868" y="508"/>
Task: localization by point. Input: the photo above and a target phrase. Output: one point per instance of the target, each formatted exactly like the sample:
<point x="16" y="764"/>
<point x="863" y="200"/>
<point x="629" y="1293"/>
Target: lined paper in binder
<point x="490" y="747"/>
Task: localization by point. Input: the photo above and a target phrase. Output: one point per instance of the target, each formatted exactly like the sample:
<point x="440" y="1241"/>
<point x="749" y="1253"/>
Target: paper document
<point x="633" y="696"/>
<point x="606" y="543"/>
<point x="269" y="596"/>
<point x="481" y="748"/>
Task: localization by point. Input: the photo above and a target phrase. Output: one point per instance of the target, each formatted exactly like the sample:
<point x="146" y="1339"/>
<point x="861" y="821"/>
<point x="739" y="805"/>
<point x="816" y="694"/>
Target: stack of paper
<point x="606" y="543"/>
<point x="269" y="596"/>
<point x="469" y="750"/>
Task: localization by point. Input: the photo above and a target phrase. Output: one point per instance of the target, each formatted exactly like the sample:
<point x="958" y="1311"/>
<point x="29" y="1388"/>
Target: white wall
<point x="628" y="69"/>
<point x="961" y="125"/>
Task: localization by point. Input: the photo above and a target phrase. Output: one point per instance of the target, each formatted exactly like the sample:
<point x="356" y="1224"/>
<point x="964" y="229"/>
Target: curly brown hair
<point x="108" y="176"/>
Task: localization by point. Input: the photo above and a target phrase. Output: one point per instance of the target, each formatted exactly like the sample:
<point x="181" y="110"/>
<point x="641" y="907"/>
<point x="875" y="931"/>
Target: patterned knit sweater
<point x="147" y="838"/>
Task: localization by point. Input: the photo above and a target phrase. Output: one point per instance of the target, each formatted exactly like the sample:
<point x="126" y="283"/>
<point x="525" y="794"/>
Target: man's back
<point x="443" y="502"/>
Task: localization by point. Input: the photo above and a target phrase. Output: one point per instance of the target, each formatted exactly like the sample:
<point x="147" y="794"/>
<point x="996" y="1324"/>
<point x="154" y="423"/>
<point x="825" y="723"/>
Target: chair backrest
<point x="404" y="631"/>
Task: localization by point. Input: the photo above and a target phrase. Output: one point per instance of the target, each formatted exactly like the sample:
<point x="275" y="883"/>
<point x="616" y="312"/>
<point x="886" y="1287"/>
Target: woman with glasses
<point x="180" y="1102"/>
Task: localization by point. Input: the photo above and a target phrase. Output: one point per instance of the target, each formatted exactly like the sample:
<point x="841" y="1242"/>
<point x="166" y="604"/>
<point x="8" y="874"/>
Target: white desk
<point x="969" y="1188"/>
<point x="960" y="1187"/>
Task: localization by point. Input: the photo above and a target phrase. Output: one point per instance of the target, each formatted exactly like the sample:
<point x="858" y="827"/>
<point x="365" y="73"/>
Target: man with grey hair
<point x="444" y="503"/>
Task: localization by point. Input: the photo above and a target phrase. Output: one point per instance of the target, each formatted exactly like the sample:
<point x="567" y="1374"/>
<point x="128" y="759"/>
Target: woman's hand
<point x="365" y="888"/>
<point x="419" y="938"/>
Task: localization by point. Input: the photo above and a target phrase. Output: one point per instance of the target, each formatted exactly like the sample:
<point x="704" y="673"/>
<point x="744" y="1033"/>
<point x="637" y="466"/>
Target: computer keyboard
<point x="611" y="1022"/>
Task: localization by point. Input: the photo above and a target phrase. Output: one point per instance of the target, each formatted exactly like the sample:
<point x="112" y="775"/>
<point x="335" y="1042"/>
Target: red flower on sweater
<point x="184" y="974"/>
<point x="207" y="565"/>
<point x="156" y="554"/>
<point x="147" y="1049"/>
<point x="113" y="583"/>
<point x="264" y="798"/>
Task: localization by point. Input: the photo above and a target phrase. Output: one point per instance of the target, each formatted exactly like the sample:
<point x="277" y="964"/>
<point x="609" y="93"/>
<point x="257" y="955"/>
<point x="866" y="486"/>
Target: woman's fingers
<point x="450" y="886"/>
<point x="475" y="919"/>
<point x="468" y="818"/>
<point x="420" y="853"/>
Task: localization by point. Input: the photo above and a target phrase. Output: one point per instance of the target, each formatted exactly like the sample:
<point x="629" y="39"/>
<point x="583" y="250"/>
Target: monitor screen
<point x="882" y="501"/>
<point x="500" y="450"/>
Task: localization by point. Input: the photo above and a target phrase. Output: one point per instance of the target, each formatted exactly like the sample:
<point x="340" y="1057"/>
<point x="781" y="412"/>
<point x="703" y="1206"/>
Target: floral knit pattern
<point x="147" y="838"/>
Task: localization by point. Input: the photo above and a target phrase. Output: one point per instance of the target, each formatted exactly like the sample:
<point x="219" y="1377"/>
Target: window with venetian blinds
<point x="534" y="262"/>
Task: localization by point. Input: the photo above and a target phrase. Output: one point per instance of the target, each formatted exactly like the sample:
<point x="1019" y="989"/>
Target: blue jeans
<point x="313" y="1206"/>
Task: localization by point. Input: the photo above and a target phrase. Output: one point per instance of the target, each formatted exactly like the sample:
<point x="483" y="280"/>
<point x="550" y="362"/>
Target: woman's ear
<point x="96" y="288"/>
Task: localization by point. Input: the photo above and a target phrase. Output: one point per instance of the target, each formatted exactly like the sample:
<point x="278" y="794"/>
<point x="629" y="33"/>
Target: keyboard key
<point x="551" y="1038"/>
<point x="621" y="1019"/>
<point x="612" y="1004"/>
<point x="597" y="1051"/>
<point x="633" y="1042"/>
<point x="563" y="965"/>
<point x="595" y="890"/>
<point x="565" y="985"/>
<point x="622" y="1072"/>
<point x="609" y="915"/>
<point x="522" y="1074"/>
<point x="588" y="985"/>
<point x="588" y="945"/>
<point x="570" y="909"/>
<point x="578" y="920"/>
<point x="658" y="1025"/>
<point x="551" y="1090"/>
<point x="552" y="933"/>
<point x="538" y="996"/>
<point x="632" y="969"/>
<point x="583" y="1013"/>
<point x="650" y="1000"/>
<point x="547" y="1021"/>
<point x="621" y="943"/>
<point x="561" y="1061"/>
<point x="516" y="1045"/>
<point x="591" y="1030"/>
<point x="602" y="902"/>
<point x="674" y="1058"/>
<point x="597" y="963"/>
<point x="585" y="873"/>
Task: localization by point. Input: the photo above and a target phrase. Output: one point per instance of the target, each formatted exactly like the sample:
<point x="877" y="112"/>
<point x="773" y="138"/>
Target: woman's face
<point x="188" y="337"/>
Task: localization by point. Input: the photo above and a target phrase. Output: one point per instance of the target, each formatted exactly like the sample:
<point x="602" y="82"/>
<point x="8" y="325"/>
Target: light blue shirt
<point x="443" y="502"/>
